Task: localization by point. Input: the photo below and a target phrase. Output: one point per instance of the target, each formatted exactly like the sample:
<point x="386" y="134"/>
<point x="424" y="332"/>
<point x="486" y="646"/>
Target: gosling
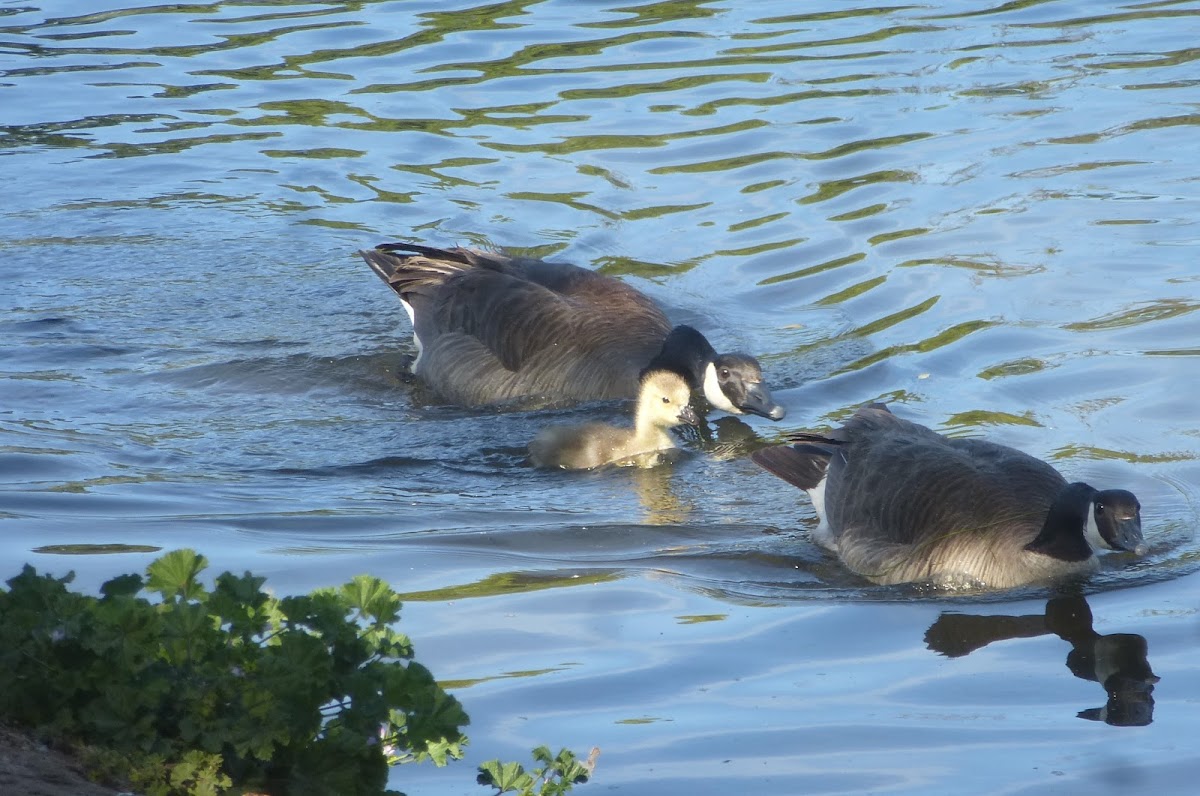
<point x="662" y="404"/>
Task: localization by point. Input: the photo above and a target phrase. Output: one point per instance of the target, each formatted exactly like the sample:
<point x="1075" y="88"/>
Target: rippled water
<point x="987" y="217"/>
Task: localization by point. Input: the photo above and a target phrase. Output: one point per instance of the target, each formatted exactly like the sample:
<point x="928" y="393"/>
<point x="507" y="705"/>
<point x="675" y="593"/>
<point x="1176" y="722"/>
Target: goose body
<point x="899" y="502"/>
<point x="492" y="329"/>
<point x="662" y="404"/>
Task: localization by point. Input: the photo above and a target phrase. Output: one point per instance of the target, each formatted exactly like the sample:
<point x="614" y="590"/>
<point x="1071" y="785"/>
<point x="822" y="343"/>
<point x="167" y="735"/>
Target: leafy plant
<point x="201" y="690"/>
<point x="557" y="775"/>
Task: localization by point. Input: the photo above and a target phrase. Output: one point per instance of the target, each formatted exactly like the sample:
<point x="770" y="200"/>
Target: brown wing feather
<point x="931" y="484"/>
<point x="801" y="466"/>
<point x="538" y="328"/>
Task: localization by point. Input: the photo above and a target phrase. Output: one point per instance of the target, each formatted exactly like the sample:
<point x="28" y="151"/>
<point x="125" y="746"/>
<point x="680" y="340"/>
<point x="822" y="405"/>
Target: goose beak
<point x="688" y="415"/>
<point x="758" y="401"/>
<point x="1127" y="536"/>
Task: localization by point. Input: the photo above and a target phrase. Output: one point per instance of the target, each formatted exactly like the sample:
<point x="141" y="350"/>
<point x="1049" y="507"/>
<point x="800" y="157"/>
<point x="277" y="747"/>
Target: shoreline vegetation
<point x="175" y="688"/>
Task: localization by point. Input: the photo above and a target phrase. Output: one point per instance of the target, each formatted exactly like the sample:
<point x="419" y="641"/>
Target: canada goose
<point x="492" y="329"/>
<point x="899" y="502"/>
<point x="662" y="403"/>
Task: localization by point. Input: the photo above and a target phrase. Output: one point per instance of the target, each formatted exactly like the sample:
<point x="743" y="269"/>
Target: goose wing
<point x="1014" y="471"/>
<point x="898" y="488"/>
<point x="515" y="319"/>
<point x="802" y="465"/>
<point x="519" y="308"/>
<point x="909" y="483"/>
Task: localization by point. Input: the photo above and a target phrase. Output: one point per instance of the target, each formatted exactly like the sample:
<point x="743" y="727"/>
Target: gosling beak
<point x="757" y="401"/>
<point x="688" y="415"/>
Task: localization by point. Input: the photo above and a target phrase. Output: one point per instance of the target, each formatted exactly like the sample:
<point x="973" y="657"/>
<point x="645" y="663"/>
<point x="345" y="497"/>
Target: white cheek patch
<point x="1092" y="531"/>
<point x="715" y="395"/>
<point x="412" y="319"/>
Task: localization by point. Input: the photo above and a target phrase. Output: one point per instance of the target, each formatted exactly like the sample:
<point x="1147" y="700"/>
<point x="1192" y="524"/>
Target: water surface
<point x="987" y="217"/>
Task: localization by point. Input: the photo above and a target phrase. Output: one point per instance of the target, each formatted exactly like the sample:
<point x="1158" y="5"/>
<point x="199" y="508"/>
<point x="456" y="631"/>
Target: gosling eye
<point x="666" y="400"/>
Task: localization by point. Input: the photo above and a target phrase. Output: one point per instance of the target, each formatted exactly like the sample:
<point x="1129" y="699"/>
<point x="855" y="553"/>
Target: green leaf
<point x="174" y="575"/>
<point x="242" y="605"/>
<point x="373" y="598"/>
<point x="444" y="750"/>
<point x="122" y="586"/>
<point x="505" y="776"/>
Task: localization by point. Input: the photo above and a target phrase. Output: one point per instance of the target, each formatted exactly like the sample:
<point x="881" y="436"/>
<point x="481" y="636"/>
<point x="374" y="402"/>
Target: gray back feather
<point x="905" y="503"/>
<point x="498" y="329"/>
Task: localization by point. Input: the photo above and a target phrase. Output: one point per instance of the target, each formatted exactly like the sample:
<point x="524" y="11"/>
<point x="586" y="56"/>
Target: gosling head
<point x="734" y="383"/>
<point x="663" y="400"/>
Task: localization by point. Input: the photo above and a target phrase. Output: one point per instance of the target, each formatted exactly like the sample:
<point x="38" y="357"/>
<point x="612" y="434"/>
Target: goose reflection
<point x="725" y="439"/>
<point x="1116" y="661"/>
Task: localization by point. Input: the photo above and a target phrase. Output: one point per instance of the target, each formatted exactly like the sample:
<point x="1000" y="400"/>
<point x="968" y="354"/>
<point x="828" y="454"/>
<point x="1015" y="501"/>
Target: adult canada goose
<point x="662" y="404"/>
<point x="899" y="502"/>
<point x="493" y="329"/>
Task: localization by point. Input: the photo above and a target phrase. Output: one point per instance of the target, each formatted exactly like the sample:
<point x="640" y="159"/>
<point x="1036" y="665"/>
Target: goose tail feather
<point x="801" y="465"/>
<point x="406" y="272"/>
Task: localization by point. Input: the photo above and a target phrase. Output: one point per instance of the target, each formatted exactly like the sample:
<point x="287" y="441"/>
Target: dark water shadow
<point x="1117" y="661"/>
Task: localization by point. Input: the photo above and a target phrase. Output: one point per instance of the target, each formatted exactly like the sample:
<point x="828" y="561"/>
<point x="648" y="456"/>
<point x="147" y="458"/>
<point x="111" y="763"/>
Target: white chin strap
<point x="1092" y="532"/>
<point x="714" y="394"/>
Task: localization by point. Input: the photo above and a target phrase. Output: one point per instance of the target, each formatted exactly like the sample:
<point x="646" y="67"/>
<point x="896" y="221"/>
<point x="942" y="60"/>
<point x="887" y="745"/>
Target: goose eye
<point x="724" y="373"/>
<point x="1099" y="506"/>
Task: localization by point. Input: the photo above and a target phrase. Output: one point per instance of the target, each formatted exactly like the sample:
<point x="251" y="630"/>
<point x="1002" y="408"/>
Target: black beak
<point x="757" y="401"/>
<point x="688" y="415"/>
<point x="1125" y="534"/>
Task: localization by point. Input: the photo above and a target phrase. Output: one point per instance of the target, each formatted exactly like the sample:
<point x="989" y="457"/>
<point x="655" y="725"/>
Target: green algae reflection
<point x="511" y="583"/>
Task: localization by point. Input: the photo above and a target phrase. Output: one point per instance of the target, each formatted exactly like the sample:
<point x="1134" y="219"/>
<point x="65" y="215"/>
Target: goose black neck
<point x="1062" y="535"/>
<point x="685" y="351"/>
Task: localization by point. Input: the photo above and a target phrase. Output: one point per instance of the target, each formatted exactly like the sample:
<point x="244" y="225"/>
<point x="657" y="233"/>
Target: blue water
<point x="987" y="216"/>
